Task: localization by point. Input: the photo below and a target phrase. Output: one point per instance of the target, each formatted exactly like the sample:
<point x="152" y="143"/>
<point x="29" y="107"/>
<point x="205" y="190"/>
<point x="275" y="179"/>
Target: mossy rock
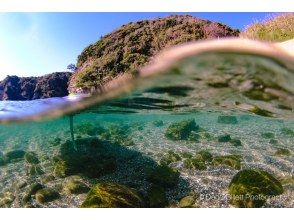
<point x="91" y="158"/>
<point x="75" y="185"/>
<point x="268" y="135"/>
<point x="46" y="195"/>
<point x="2" y="161"/>
<point x="157" y="197"/>
<point x="188" y="202"/>
<point x="186" y="155"/>
<point x="224" y="138"/>
<point x="236" y="142"/>
<point x="227" y="119"/>
<point x="251" y="188"/>
<point x="14" y="155"/>
<point x="194" y="137"/>
<point x="158" y="123"/>
<point x="34" y="170"/>
<point x="233" y="161"/>
<point x="31" y="157"/>
<point x="6" y="199"/>
<point x="282" y="152"/>
<point x="204" y="155"/>
<point x="181" y="130"/>
<point x="195" y="163"/>
<point x="163" y="176"/>
<point x="287" y="180"/>
<point x="169" y="158"/>
<point x="112" y="195"/>
<point x="32" y="189"/>
<point x="120" y="135"/>
<point x="287" y="132"/>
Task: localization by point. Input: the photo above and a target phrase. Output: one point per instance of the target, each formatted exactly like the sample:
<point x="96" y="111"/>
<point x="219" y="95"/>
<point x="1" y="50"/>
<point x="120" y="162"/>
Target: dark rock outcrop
<point x="28" y="88"/>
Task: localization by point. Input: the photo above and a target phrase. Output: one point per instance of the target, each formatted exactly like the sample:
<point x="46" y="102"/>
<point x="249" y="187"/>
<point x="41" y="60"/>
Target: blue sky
<point x="33" y="44"/>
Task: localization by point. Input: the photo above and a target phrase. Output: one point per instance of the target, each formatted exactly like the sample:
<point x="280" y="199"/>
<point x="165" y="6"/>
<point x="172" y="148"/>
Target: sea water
<point x="133" y="131"/>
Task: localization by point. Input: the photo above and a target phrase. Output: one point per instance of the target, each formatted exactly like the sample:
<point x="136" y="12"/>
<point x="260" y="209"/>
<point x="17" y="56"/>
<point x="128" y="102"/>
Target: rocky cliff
<point x="28" y="88"/>
<point x="133" y="44"/>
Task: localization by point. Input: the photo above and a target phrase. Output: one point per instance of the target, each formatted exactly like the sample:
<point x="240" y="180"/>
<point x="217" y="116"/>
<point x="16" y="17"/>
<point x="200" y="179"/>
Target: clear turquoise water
<point x="147" y="144"/>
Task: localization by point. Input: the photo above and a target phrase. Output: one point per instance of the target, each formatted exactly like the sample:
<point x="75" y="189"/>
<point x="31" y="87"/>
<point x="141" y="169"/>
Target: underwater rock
<point x="186" y="155"/>
<point x="158" y="123"/>
<point x="251" y="188"/>
<point x="188" y="202"/>
<point x="31" y="157"/>
<point x="181" y="130"/>
<point x="287" y="180"/>
<point x="74" y="185"/>
<point x="268" y="135"/>
<point x="14" y="155"/>
<point x="2" y="160"/>
<point x="163" y="176"/>
<point x="169" y="158"/>
<point x="6" y="199"/>
<point x="157" y="197"/>
<point x="35" y="170"/>
<point x="259" y="94"/>
<point x="31" y="191"/>
<point x="48" y="178"/>
<point x="195" y="163"/>
<point x="282" y="152"/>
<point x="194" y="137"/>
<point x="233" y="161"/>
<point x="236" y="142"/>
<point x="118" y="135"/>
<point x="46" y="195"/>
<point x="224" y="138"/>
<point x="204" y="155"/>
<point x="112" y="195"/>
<point x="91" y="158"/>
<point x="227" y="119"/>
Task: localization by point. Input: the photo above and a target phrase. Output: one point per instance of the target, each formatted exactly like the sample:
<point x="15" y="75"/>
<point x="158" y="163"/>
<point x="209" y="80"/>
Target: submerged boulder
<point x="181" y="130"/>
<point x="75" y="185"/>
<point x="170" y="157"/>
<point x="233" y="161"/>
<point x="163" y="175"/>
<point x="91" y="158"/>
<point x="112" y="195"/>
<point x="31" y="157"/>
<point x="282" y="152"/>
<point x="251" y="188"/>
<point x="46" y="195"/>
<point x="14" y="155"/>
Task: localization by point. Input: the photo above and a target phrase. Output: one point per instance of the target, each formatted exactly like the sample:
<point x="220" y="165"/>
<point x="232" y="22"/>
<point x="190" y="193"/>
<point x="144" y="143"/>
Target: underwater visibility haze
<point x="206" y="125"/>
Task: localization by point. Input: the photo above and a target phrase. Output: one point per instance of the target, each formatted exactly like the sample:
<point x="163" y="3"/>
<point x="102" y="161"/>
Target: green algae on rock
<point x="204" y="155"/>
<point x="227" y="119"/>
<point x="14" y="155"/>
<point x="181" y="130"/>
<point x="157" y="196"/>
<point x="6" y="199"/>
<point x="112" y="195"/>
<point x="46" y="195"/>
<point x="163" y="175"/>
<point x="35" y="169"/>
<point x="236" y="142"/>
<point x="288" y="132"/>
<point x="195" y="163"/>
<point x="251" y="188"/>
<point x="74" y="185"/>
<point x="188" y="202"/>
<point x="282" y="152"/>
<point x="158" y="123"/>
<point x="116" y="134"/>
<point x="233" y="161"/>
<point x="91" y="158"/>
<point x="224" y="138"/>
<point x="31" y="157"/>
<point x="170" y="157"/>
<point x="32" y="189"/>
<point x="268" y="135"/>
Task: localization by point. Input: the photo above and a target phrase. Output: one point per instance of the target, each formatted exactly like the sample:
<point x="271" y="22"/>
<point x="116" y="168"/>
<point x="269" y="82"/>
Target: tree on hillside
<point x="72" y="67"/>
